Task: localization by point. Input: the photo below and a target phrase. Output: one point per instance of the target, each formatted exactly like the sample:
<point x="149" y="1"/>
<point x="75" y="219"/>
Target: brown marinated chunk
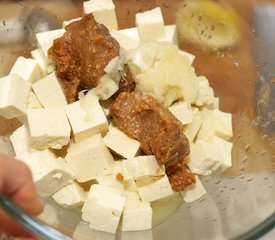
<point x="143" y="118"/>
<point x="180" y="177"/>
<point x="81" y="55"/>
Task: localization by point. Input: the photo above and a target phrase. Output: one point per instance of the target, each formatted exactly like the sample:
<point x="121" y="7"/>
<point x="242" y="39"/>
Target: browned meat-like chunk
<point x="81" y="55"/>
<point x="142" y="117"/>
<point x="180" y="177"/>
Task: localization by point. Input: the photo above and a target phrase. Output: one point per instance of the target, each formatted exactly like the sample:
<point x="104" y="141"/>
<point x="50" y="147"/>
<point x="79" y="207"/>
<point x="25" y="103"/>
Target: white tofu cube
<point x="137" y="216"/>
<point x="38" y="55"/>
<point x="124" y="40"/>
<point x="103" y="208"/>
<point x="154" y="189"/>
<point x="86" y="119"/>
<point x="191" y="130"/>
<point x="194" y="191"/>
<point x="65" y="23"/>
<point x="45" y="40"/>
<point x="150" y="25"/>
<point x="28" y="69"/>
<point x="49" y="173"/>
<point x="205" y="92"/>
<point x="50" y="68"/>
<point x="33" y="102"/>
<point x="90" y="159"/>
<point x="103" y="11"/>
<point x="110" y="181"/>
<point x="131" y="33"/>
<point x="225" y="148"/>
<point x="215" y="122"/>
<point x="70" y="196"/>
<point x="223" y="126"/>
<point x="122" y="174"/>
<point x="205" y="158"/>
<point x="20" y="139"/>
<point x="6" y="146"/>
<point x="190" y="56"/>
<point x="142" y="167"/>
<point x="14" y="93"/>
<point x="171" y="34"/>
<point x="105" y="105"/>
<point x="131" y="195"/>
<point x="121" y="144"/>
<point x="131" y="186"/>
<point x="49" y="92"/>
<point x="183" y="112"/>
<point x="49" y="128"/>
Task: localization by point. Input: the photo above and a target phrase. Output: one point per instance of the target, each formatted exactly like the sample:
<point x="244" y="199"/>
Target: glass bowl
<point x="239" y="204"/>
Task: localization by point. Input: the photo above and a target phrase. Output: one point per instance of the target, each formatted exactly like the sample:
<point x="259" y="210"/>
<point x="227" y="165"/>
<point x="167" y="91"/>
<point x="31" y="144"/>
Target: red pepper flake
<point x="119" y="177"/>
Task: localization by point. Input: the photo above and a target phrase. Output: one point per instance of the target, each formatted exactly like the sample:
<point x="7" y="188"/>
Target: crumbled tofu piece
<point x="33" y="102"/>
<point x="225" y="148"/>
<point x="103" y="11"/>
<point x="190" y="56"/>
<point x="14" y="93"/>
<point x="137" y="216"/>
<point x="49" y="128"/>
<point x="171" y="34"/>
<point x="194" y="191"/>
<point x="49" y="173"/>
<point x="90" y="159"/>
<point x="131" y="33"/>
<point x="106" y="88"/>
<point x="45" y="40"/>
<point x="110" y="181"/>
<point x="215" y="122"/>
<point x="183" y="112"/>
<point x="65" y="23"/>
<point x="20" y="139"/>
<point x="205" y="158"/>
<point x="124" y="40"/>
<point x="142" y="167"/>
<point x="154" y="189"/>
<point x="121" y="144"/>
<point x="150" y="25"/>
<point x="161" y="71"/>
<point x="49" y="92"/>
<point x="103" y="208"/>
<point x="205" y="92"/>
<point x="38" y="55"/>
<point x="70" y="196"/>
<point x="6" y="146"/>
<point x="27" y="68"/>
<point x="86" y="119"/>
<point x="191" y="130"/>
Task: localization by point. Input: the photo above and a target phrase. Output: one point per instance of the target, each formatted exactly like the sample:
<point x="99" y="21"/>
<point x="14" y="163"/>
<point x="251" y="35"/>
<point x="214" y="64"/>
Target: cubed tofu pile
<point x="68" y="146"/>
